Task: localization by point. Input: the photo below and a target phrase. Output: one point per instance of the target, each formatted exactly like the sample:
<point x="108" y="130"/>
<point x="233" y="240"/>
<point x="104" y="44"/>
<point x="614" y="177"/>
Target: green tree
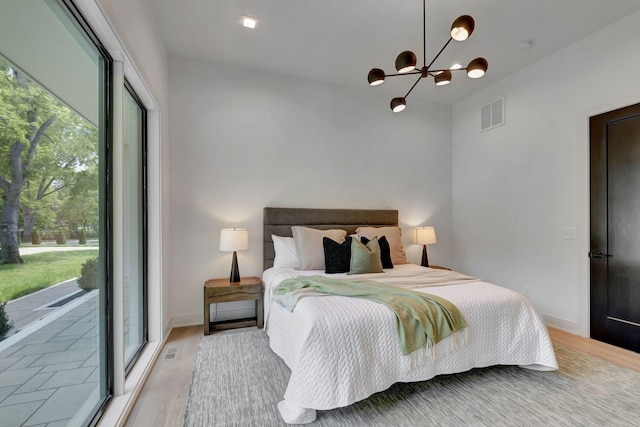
<point x="44" y="148"/>
<point x="81" y="206"/>
<point x="25" y="115"/>
<point x="63" y="161"/>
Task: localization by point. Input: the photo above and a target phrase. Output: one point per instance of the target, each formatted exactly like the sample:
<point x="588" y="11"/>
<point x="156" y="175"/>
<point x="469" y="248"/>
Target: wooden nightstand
<point x="222" y="290"/>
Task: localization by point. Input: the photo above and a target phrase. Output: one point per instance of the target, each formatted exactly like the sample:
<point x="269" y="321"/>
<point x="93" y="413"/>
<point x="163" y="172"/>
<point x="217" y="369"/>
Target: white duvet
<point x="341" y="350"/>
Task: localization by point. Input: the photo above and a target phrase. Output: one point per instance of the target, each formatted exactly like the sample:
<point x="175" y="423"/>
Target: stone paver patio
<point x="49" y="372"/>
<point x="36" y="306"/>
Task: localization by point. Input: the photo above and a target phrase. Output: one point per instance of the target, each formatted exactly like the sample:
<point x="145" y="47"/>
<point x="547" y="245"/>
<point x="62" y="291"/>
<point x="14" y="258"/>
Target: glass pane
<point x="53" y="358"/>
<point x="134" y="245"/>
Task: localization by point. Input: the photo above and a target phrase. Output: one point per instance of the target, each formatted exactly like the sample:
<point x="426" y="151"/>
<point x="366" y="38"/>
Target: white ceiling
<point x="339" y="41"/>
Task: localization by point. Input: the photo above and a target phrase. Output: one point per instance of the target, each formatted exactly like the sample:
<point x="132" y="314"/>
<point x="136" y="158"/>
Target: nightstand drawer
<point x="223" y="295"/>
<point x="233" y="293"/>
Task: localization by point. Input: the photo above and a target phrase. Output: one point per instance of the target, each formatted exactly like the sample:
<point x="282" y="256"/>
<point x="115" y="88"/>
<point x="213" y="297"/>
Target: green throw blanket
<point x="422" y="319"/>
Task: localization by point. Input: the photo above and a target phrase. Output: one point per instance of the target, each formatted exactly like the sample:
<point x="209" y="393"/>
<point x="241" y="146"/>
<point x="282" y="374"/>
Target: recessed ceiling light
<point x="455" y="66"/>
<point x="249" y="22"/>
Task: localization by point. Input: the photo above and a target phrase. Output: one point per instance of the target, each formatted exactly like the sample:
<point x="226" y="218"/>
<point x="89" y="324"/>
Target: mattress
<point x="341" y="350"/>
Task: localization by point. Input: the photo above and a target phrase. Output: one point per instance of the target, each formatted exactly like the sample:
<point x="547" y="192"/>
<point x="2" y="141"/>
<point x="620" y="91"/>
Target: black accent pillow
<point x="385" y="250"/>
<point x="337" y="256"/>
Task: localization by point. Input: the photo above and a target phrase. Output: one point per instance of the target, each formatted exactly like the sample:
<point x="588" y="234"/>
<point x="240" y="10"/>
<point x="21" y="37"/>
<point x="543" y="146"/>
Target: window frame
<point x="106" y="150"/>
<point x="145" y="231"/>
<point x="127" y="388"/>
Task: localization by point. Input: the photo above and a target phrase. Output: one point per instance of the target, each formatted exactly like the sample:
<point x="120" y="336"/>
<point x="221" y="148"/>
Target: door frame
<point x="581" y="324"/>
<point x="596" y="129"/>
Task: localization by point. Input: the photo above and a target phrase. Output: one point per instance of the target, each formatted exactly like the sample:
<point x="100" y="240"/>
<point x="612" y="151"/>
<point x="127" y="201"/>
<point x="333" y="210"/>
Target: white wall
<point x="243" y="140"/>
<point x="515" y="188"/>
<point x="138" y="33"/>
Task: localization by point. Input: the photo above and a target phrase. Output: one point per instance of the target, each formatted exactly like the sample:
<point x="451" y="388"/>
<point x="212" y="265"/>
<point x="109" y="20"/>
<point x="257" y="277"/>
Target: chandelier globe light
<point x="443" y="78"/>
<point x="477" y="68"/>
<point x="376" y="77"/>
<point x="398" y="104"/>
<point x="406" y="62"/>
<point x="462" y="28"/>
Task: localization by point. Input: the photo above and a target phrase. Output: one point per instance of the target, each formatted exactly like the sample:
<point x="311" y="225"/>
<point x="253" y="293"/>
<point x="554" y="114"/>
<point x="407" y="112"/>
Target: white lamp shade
<point x="234" y="239"/>
<point x="425" y="236"/>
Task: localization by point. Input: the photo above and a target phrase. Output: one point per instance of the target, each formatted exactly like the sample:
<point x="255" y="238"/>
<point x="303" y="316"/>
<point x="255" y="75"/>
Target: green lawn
<point x="40" y="271"/>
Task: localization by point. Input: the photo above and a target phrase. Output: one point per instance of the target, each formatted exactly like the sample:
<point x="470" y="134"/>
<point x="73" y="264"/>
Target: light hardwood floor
<point x="616" y="355"/>
<point x="164" y="396"/>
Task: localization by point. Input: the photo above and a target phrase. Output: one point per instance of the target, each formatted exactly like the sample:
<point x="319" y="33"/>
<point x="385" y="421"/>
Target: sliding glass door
<point x="55" y="358"/>
<point x="59" y="341"/>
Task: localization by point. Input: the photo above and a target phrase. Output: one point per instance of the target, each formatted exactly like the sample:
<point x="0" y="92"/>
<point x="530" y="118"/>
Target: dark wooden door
<point x="615" y="227"/>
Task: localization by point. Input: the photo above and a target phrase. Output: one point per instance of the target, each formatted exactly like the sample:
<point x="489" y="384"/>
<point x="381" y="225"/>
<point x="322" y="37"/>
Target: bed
<point x="342" y="350"/>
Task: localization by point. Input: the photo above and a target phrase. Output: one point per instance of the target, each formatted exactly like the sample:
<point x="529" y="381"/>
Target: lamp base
<point x="235" y="271"/>
<point x="425" y="259"/>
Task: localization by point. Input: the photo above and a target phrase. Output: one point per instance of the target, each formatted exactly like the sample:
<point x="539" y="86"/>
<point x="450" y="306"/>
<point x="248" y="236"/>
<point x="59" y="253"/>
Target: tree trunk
<point x="9" y="245"/>
<point x="9" y="253"/>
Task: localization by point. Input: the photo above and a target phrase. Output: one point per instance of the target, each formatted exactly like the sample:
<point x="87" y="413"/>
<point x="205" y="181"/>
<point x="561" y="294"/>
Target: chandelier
<point x="461" y="29"/>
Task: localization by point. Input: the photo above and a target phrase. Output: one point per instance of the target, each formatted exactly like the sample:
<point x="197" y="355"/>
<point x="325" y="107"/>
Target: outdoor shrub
<point x="52" y="235"/>
<point x="82" y="238"/>
<point x="88" y="279"/>
<point x="48" y="235"/>
<point x="35" y="238"/>
<point x="5" y="324"/>
<point x="61" y="238"/>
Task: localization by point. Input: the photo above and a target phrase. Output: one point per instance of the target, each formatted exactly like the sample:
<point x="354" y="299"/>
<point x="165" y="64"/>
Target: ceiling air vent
<point x="492" y="115"/>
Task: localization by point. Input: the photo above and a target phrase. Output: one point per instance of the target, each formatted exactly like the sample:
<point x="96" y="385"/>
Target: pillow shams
<point x="337" y="256"/>
<point x="385" y="251"/>
<point x="310" y="247"/>
<point x="286" y="252"/>
<point x="398" y="256"/>
<point x="365" y="258"/>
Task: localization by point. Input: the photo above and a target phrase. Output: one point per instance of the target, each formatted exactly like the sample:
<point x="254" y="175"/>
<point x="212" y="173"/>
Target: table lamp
<point x="425" y="236"/>
<point x="232" y="240"/>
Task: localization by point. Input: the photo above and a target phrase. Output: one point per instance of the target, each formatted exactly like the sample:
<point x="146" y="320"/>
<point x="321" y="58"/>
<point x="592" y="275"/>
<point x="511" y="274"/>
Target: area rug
<point x="237" y="381"/>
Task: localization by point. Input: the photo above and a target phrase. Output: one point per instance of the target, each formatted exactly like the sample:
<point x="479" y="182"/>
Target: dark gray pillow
<point x="337" y="256"/>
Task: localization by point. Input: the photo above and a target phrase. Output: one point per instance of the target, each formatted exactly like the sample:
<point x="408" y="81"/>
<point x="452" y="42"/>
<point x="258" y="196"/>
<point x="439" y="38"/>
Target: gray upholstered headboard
<point x="278" y="221"/>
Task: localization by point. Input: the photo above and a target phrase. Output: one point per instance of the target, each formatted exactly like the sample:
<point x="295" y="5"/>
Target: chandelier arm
<point x="441" y="50"/>
<point x="404" y="74"/>
<point x="414" y="85"/>
<point x="432" y="72"/>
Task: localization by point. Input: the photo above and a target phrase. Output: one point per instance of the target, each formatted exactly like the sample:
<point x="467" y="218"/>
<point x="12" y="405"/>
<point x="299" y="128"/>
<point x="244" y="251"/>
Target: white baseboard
<point x="166" y="330"/>
<point x="564" y="324"/>
<point x="186" y="320"/>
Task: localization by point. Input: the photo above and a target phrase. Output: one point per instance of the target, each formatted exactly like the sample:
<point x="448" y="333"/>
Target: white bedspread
<point x="341" y="350"/>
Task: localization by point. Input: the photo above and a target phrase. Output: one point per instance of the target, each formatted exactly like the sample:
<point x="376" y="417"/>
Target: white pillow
<point x="398" y="256"/>
<point x="286" y="253"/>
<point x="310" y="247"/>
